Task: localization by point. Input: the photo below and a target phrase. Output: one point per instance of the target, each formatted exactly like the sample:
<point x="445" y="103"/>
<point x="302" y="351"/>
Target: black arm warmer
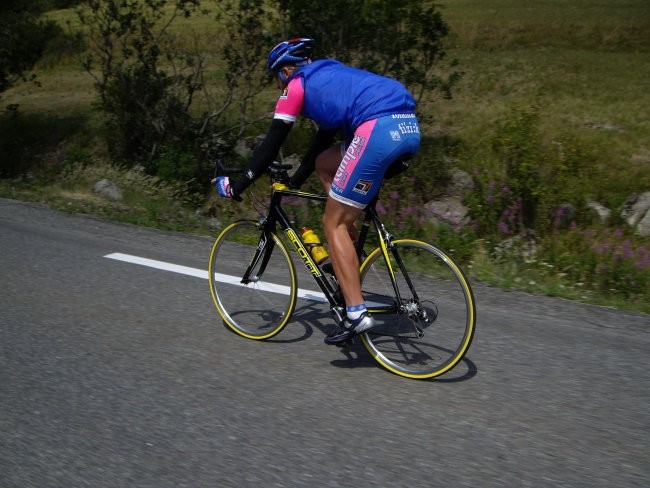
<point x="322" y="140"/>
<point x="263" y="155"/>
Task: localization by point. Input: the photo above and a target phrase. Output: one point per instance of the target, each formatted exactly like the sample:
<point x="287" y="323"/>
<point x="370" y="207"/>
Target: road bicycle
<point x="420" y="298"/>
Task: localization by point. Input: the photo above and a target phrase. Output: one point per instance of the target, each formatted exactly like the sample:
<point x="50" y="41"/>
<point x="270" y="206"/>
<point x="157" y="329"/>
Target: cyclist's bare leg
<point x="327" y="163"/>
<point x="337" y="219"/>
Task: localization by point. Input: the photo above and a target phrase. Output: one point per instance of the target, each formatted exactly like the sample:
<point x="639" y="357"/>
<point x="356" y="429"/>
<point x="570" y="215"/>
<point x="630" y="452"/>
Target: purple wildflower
<point x="644" y="258"/>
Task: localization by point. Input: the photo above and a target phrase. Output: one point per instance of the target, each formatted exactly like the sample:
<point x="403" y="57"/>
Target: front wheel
<point x="425" y="317"/>
<point x="258" y="305"/>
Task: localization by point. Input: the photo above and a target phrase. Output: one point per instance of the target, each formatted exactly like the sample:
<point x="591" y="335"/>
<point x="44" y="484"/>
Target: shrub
<point x="607" y="260"/>
<point x="522" y="180"/>
<point x="145" y="86"/>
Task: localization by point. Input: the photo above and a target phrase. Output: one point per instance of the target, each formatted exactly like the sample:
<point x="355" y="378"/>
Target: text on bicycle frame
<point x="302" y="252"/>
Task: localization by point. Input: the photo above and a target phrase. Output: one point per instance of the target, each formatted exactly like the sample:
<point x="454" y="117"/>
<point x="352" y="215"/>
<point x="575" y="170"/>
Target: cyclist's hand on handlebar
<point x="222" y="185"/>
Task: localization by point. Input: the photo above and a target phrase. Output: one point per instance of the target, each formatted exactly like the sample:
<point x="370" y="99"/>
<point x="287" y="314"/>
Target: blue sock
<point x="355" y="311"/>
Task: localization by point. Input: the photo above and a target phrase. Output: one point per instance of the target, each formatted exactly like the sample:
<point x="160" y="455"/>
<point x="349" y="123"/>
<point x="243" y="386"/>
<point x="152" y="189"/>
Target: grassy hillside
<point x="583" y="63"/>
<point x="582" y="67"/>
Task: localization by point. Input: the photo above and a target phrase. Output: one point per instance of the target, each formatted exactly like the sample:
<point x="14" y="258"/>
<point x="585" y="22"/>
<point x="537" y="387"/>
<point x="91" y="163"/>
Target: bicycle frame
<point x="276" y="217"/>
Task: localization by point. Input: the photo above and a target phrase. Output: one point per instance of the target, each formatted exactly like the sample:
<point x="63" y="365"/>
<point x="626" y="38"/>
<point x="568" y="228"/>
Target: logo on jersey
<point x="362" y="186"/>
<point x="395" y="135"/>
<point x="285" y="94"/>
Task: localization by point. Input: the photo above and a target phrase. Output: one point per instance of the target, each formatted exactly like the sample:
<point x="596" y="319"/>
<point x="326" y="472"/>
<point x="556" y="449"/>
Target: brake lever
<point x="221" y="170"/>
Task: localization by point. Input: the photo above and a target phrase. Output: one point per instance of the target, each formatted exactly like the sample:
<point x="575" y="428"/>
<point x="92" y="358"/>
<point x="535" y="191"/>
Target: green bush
<point x="609" y="261"/>
<point x="30" y="142"/>
<point x="522" y="181"/>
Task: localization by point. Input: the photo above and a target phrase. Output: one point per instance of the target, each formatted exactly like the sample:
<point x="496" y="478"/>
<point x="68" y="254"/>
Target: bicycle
<point x="420" y="298"/>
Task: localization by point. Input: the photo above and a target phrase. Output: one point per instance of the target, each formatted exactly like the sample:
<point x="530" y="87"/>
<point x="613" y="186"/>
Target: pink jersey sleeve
<point x="289" y="104"/>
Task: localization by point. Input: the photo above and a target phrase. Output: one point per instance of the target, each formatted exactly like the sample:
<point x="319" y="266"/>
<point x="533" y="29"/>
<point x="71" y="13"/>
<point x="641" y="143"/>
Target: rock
<point x="635" y="208"/>
<point x="523" y="246"/>
<point x="293" y="159"/>
<point x="449" y="210"/>
<point x="243" y="149"/>
<point x="643" y="227"/>
<point x="603" y="212"/>
<point x="107" y="189"/>
<point x="460" y="181"/>
<point x="246" y="147"/>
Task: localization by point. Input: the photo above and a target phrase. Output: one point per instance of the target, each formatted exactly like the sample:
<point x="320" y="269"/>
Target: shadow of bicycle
<point x="356" y="356"/>
<point x="312" y="317"/>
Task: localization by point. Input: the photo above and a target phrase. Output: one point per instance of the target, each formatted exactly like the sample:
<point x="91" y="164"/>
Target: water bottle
<point x="313" y="244"/>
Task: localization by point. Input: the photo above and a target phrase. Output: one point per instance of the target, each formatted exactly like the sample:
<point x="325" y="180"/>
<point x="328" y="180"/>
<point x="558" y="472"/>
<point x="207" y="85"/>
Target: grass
<point x="594" y="88"/>
<point x="582" y="64"/>
<point x="620" y="25"/>
<point x="147" y="201"/>
<point x="602" y="99"/>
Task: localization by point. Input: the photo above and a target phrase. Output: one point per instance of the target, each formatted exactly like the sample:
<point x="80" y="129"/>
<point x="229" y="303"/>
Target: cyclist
<point x="375" y="114"/>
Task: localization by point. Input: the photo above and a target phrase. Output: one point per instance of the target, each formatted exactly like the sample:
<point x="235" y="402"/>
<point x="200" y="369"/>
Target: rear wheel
<point x="261" y="307"/>
<point x="428" y="329"/>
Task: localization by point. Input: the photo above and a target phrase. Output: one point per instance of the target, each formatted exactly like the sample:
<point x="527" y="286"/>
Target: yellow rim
<point x="462" y="350"/>
<point x="232" y="325"/>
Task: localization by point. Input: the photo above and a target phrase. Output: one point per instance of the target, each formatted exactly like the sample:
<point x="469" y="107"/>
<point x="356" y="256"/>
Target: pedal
<point x="338" y="314"/>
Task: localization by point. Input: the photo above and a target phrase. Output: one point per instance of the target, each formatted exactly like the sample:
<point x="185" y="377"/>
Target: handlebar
<point x="277" y="171"/>
<point x="221" y="170"/>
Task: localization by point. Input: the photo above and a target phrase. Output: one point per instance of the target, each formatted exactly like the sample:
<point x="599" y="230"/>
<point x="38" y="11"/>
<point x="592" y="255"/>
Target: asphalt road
<point x="115" y="374"/>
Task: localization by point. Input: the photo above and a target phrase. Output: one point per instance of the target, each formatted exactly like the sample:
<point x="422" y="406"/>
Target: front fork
<point x="263" y="253"/>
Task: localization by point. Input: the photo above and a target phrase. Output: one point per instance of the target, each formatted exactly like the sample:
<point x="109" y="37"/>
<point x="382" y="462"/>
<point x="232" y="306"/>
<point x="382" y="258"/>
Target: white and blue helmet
<point x="292" y="51"/>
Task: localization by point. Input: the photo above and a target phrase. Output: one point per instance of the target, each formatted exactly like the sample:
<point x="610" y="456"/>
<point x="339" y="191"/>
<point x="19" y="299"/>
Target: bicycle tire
<point x="260" y="309"/>
<point x="404" y="342"/>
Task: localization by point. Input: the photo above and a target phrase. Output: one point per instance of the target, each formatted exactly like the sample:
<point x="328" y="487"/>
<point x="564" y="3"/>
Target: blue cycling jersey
<point x="340" y="97"/>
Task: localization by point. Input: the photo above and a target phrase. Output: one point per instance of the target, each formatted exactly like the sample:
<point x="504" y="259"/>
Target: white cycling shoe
<point x="351" y="328"/>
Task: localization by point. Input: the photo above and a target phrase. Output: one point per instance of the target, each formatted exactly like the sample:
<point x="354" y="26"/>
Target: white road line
<point x="200" y="273"/>
<point x="174" y="268"/>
